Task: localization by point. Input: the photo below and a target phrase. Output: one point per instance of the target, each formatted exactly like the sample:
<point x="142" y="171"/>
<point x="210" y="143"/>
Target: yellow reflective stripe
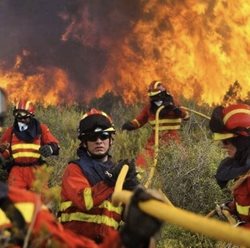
<point x="26" y="209"/>
<point x="65" y="205"/>
<point x="87" y="197"/>
<point x="3" y="218"/>
<point x="25" y="146"/>
<point x="106" y="204"/>
<point x="163" y="121"/>
<point x="244" y="210"/>
<point x="235" y="111"/>
<point x="163" y="128"/>
<point x="97" y="219"/>
<point x="110" y="207"/>
<point x="222" y="136"/>
<point x="26" y="155"/>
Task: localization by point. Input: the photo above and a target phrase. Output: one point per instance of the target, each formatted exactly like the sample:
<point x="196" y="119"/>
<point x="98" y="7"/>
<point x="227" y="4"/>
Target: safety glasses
<point x="99" y="135"/>
<point x="21" y="115"/>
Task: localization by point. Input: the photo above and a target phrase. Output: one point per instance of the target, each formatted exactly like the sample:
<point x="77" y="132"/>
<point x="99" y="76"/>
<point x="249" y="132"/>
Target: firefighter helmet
<point x="95" y="121"/>
<point x="231" y="121"/>
<point x="24" y="108"/>
<point x="155" y="88"/>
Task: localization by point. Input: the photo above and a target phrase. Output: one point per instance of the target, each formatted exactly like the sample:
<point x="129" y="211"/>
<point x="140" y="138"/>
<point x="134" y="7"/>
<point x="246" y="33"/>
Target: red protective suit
<point x="46" y="230"/>
<point x="169" y="126"/>
<point x="86" y="207"/>
<point x="241" y="203"/>
<point x="26" y="156"/>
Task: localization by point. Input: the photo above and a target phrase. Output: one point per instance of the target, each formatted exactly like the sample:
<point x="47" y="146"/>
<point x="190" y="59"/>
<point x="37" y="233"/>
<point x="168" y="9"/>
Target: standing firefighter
<point x="24" y="144"/>
<point x="88" y="182"/>
<point x="231" y="125"/>
<point x="170" y="118"/>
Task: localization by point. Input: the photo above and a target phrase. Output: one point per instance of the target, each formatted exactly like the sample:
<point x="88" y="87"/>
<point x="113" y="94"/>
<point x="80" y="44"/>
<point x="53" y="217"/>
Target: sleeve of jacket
<point x="49" y="139"/>
<point x="142" y="117"/>
<point x="76" y="188"/>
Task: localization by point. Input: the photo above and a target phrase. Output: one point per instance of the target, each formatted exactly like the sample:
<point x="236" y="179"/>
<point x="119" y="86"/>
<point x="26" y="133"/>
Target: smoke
<point x="75" y="36"/>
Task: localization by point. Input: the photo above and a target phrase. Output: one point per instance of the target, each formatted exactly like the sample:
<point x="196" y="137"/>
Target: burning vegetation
<point x="77" y="50"/>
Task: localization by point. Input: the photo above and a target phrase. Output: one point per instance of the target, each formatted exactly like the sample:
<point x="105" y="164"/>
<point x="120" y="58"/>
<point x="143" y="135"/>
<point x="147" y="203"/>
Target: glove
<point x="177" y="111"/>
<point x="139" y="227"/>
<point x="4" y="147"/>
<point x="46" y="151"/>
<point x="131" y="180"/>
<point x="112" y="174"/>
<point x="128" y="126"/>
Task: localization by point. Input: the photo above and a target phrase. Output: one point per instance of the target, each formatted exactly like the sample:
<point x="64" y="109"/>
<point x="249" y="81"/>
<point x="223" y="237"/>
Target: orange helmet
<point x="230" y="121"/>
<point x="95" y="121"/>
<point x="155" y="88"/>
<point x="24" y="108"/>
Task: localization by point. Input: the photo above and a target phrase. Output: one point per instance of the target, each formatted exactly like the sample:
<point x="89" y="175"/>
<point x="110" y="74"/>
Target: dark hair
<point x="242" y="144"/>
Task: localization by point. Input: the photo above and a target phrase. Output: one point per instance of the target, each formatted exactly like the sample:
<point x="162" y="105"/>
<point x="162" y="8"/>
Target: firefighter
<point x="25" y="144"/>
<point x="26" y="222"/>
<point x="170" y="118"/>
<point x="88" y="183"/>
<point x="231" y="125"/>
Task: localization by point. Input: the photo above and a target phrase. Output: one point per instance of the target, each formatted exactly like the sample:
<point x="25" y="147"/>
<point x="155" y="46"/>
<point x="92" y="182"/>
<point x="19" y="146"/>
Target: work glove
<point x="139" y="227"/>
<point x="131" y="180"/>
<point x="112" y="174"/>
<point x="46" y="151"/>
<point x="128" y="126"/>
<point x="4" y="147"/>
<point x="177" y="111"/>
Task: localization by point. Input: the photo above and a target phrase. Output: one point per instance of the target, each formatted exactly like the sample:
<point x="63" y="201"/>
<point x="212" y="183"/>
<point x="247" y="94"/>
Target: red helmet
<point x="230" y="121"/>
<point x="155" y="88"/>
<point x="24" y="108"/>
<point x="95" y="121"/>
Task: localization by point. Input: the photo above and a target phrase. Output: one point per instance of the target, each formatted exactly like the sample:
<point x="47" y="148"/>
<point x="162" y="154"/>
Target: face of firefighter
<point x="99" y="146"/>
<point x="229" y="148"/>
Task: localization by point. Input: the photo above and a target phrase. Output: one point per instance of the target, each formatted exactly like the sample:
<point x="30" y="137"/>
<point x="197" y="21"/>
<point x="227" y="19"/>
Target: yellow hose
<point x="193" y="222"/>
<point x="121" y="178"/>
<point x="196" y="112"/>
<point x="156" y="147"/>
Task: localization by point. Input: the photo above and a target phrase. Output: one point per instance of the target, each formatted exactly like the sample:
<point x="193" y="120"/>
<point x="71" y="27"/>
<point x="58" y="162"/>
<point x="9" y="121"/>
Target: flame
<point x="197" y="48"/>
<point x="50" y="86"/>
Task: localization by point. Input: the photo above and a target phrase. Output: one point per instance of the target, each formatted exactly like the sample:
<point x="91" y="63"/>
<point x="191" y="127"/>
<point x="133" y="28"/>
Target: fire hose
<point x="156" y="148"/>
<point x="196" y="112"/>
<point x="190" y="221"/>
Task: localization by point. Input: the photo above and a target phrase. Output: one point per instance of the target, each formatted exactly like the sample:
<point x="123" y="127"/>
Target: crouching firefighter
<point x="231" y="125"/>
<point x="89" y="181"/>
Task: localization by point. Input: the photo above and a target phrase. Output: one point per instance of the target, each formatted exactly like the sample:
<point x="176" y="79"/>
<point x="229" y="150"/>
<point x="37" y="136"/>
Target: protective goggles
<point x="22" y="115"/>
<point x="96" y="136"/>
